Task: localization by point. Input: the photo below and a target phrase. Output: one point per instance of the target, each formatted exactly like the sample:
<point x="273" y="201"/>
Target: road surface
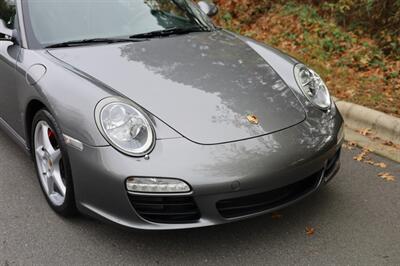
<point x="356" y="221"/>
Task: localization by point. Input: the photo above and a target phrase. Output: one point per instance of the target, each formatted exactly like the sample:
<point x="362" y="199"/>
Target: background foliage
<point x="6" y="11"/>
<point x="354" y="44"/>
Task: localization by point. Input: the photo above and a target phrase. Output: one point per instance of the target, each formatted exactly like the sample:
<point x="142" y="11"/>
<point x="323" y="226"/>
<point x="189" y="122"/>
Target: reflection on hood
<point x="202" y="84"/>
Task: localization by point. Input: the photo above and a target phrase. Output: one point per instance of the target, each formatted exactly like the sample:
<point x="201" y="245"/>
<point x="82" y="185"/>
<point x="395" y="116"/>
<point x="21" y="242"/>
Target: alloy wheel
<point x="49" y="163"/>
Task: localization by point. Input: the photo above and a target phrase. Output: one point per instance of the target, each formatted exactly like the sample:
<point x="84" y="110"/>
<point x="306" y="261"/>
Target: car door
<point x="9" y="51"/>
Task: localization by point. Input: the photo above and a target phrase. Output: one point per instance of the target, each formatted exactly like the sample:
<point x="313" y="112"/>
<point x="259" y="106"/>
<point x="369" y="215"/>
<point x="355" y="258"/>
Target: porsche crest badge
<point x="253" y="119"/>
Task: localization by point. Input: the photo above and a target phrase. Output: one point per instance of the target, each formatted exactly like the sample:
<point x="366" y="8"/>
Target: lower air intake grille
<point x="252" y="204"/>
<point x="166" y="209"/>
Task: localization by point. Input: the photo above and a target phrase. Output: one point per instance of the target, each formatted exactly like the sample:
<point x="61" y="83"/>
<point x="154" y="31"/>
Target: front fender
<point x="70" y="96"/>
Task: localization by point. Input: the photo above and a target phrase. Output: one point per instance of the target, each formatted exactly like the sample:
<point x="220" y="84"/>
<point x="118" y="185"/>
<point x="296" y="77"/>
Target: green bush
<point x="379" y="19"/>
<point x="6" y="11"/>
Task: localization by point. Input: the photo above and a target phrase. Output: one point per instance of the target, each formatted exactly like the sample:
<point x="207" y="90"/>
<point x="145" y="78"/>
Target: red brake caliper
<point x="52" y="138"/>
<point x="50" y="133"/>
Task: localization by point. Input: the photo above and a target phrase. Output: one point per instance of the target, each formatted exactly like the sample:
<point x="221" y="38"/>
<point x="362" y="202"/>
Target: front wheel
<point x="52" y="164"/>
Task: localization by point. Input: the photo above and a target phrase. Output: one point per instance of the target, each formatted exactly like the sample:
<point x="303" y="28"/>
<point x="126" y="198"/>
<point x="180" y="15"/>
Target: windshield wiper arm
<point x="167" y="32"/>
<point x="93" y="41"/>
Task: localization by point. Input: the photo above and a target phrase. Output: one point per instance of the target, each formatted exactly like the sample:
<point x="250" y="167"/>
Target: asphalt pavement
<point x="355" y="221"/>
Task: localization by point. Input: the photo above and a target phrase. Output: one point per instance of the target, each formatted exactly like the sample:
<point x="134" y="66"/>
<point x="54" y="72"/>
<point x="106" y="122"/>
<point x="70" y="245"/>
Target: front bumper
<point x="225" y="179"/>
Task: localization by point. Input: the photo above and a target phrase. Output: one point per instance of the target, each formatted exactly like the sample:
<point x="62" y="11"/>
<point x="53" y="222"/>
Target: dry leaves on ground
<point x="391" y="144"/>
<point x="362" y="156"/>
<point x="387" y="176"/>
<point x="388" y="143"/>
<point x="380" y="165"/>
<point x="367" y="132"/>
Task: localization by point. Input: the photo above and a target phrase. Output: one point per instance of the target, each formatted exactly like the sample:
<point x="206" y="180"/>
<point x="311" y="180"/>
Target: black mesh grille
<point x="166" y="209"/>
<point x="237" y="207"/>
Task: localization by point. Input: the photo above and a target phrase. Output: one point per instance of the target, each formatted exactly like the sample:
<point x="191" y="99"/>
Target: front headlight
<point x="125" y="126"/>
<point x="312" y="86"/>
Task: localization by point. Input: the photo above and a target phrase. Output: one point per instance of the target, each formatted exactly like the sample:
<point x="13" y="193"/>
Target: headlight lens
<point x="127" y="128"/>
<point x="313" y="86"/>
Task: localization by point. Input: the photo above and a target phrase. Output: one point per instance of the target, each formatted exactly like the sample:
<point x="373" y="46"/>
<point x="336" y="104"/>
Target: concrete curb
<point x="383" y="126"/>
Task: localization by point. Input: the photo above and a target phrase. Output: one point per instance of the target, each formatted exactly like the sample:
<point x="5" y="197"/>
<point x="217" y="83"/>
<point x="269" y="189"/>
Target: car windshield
<point x="49" y="22"/>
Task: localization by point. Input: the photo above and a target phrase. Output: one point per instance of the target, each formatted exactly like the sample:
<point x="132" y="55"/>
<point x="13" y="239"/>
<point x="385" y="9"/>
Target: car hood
<point x="203" y="85"/>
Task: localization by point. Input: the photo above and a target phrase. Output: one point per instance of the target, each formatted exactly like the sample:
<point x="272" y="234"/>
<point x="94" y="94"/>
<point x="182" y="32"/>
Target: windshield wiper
<point x="93" y="41"/>
<point x="168" y="32"/>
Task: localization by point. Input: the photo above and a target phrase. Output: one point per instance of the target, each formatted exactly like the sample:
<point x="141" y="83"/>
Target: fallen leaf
<point x="361" y="157"/>
<point x="310" y="231"/>
<point x="388" y="143"/>
<point x="387" y="176"/>
<point x="365" y="131"/>
<point x="391" y="144"/>
<point x="381" y="165"/>
<point x="276" y="216"/>
<point x="350" y="145"/>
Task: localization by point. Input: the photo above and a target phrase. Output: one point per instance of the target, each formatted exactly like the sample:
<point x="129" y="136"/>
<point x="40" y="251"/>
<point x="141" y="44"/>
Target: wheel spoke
<point x="56" y="176"/>
<point x="50" y="186"/>
<point x="39" y="152"/>
<point x="45" y="139"/>
<point x="56" y="157"/>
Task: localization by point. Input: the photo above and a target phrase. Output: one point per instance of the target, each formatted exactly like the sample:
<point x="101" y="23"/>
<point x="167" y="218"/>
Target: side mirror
<point x="9" y="34"/>
<point x="209" y="8"/>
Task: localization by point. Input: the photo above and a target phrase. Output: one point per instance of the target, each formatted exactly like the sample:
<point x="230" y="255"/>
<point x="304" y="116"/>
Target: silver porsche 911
<point x="145" y="114"/>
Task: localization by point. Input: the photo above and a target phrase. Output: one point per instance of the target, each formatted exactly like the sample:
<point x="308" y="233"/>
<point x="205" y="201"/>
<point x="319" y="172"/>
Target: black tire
<point x="68" y="207"/>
